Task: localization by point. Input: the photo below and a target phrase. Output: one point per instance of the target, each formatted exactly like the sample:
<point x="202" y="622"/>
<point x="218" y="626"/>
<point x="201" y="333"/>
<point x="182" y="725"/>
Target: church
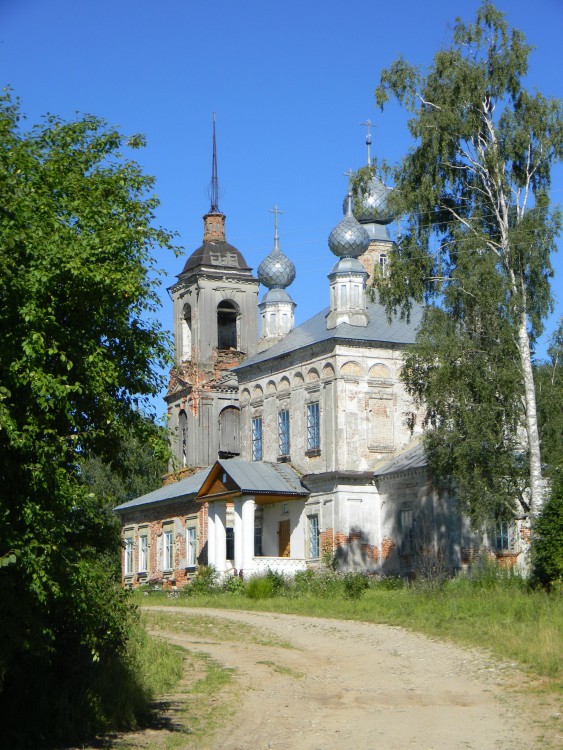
<point x="291" y="442"/>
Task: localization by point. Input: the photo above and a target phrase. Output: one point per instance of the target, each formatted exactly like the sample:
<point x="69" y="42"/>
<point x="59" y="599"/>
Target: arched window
<point x="229" y="432"/>
<point x="186" y="332"/>
<point x="227" y="325"/>
<point x="183" y="438"/>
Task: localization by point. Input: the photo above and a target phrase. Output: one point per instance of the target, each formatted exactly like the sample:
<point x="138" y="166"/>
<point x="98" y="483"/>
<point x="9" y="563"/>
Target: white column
<point x="220" y="536"/>
<point x="211" y="534"/>
<point x="238" y="534"/>
<point x="248" y="507"/>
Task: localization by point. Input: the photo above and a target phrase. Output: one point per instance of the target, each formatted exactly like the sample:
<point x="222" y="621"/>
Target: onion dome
<point x="373" y="204"/>
<point x="349" y="239"/>
<point x="276" y="270"/>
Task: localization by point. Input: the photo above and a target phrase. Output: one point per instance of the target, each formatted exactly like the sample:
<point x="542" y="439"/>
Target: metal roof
<point x="188" y="487"/>
<point x="314" y="330"/>
<point x="218" y="254"/>
<point x="263" y="478"/>
<point x="414" y="458"/>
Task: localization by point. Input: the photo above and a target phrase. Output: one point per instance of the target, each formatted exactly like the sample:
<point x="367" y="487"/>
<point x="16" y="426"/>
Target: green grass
<point x="514" y="623"/>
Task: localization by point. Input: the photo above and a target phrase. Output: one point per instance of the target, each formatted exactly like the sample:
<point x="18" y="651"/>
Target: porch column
<point x="211" y="534"/>
<point x="248" y="507"/>
<point x="238" y="531"/>
<point x="220" y="536"/>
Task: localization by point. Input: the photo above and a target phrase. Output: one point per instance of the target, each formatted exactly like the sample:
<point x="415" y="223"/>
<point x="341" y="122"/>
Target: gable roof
<point x="257" y="477"/>
<point x="186" y="488"/>
<point x="314" y="330"/>
<point x="414" y="458"/>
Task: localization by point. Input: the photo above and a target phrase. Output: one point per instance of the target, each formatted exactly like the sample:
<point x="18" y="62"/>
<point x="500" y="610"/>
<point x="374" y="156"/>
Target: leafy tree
<point x="547" y="552"/>
<point x="549" y="378"/>
<point x="79" y="356"/>
<point x="136" y="469"/>
<point x="475" y="191"/>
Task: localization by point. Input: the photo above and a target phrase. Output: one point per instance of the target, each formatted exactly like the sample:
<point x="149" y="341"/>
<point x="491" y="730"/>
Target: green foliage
<point x="135" y="470"/>
<point x="79" y="357"/>
<point x="547" y="551"/>
<point x="266" y="586"/>
<point x="206" y="581"/>
<point x="355" y="585"/>
<point x="476" y="243"/>
<point x="260" y="587"/>
<point x="234" y="585"/>
<point x="549" y="389"/>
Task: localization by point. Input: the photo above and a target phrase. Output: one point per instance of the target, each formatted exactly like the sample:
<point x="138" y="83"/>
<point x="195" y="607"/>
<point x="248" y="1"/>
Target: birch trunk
<point x="536" y="478"/>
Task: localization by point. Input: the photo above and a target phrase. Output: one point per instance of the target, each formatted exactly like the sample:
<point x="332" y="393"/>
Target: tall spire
<point x="214" y="187"/>
<point x="368" y="139"/>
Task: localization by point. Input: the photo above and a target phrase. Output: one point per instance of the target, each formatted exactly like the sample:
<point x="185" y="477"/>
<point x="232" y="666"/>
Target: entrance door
<point x="284" y="538"/>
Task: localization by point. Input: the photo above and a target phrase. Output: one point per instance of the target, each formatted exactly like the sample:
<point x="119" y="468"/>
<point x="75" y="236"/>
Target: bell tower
<point x="215" y="328"/>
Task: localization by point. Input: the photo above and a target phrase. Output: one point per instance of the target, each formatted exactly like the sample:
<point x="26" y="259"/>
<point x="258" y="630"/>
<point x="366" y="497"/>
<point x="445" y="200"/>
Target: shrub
<point x="389" y="583"/>
<point x="234" y="585"/>
<point x="547" y="547"/>
<point x="354" y="585"/>
<point x="316" y="582"/>
<point x="205" y="582"/>
<point x="260" y="587"/>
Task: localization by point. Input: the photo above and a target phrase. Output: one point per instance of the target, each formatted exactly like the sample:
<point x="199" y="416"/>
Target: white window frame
<point x="314" y="536"/>
<point x="168" y="549"/>
<point x="284" y="445"/>
<point x="191" y="542"/>
<point x="257" y="438"/>
<point x="143" y="562"/>
<point x="128" y="555"/>
<point x="313" y="426"/>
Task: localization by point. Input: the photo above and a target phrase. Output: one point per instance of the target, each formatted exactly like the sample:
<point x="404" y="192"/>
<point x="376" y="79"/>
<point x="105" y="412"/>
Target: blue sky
<point x="290" y="83"/>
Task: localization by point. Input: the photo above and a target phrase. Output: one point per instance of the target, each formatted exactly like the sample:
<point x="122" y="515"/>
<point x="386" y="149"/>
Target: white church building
<point x="291" y="442"/>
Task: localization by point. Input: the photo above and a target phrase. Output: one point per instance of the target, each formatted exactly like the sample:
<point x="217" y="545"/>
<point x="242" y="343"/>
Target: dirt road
<point x="356" y="685"/>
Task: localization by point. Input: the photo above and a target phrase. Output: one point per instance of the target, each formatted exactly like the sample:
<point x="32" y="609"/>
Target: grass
<point x="515" y="623"/>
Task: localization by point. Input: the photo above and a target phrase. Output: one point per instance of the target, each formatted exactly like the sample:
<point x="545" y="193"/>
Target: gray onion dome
<point x="276" y="270"/>
<point x="349" y="239"/>
<point x="373" y="205"/>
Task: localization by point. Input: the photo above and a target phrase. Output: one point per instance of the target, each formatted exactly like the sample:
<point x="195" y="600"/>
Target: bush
<point x="354" y="585"/>
<point x="547" y="547"/>
<point x="260" y="587"/>
<point x="205" y="582"/>
<point x="234" y="585"/>
<point x="316" y="582"/>
<point x="389" y="583"/>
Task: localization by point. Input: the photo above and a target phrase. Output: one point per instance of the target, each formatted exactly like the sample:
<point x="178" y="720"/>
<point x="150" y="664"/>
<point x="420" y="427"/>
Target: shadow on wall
<point x="354" y="552"/>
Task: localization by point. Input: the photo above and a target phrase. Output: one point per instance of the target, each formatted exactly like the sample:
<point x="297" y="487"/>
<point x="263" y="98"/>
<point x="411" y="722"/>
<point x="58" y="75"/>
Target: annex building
<point x="292" y="441"/>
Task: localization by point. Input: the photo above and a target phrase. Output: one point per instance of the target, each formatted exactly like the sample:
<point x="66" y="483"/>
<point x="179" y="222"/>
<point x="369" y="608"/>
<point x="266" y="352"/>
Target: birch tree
<point x="475" y="187"/>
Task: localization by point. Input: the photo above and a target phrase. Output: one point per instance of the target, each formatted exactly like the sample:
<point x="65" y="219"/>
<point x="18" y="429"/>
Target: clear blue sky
<point x="290" y="82"/>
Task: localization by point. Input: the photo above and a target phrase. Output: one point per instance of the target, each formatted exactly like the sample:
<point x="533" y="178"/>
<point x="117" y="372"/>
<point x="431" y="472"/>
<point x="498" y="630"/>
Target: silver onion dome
<point x="373" y="204"/>
<point x="349" y="239"/>
<point x="276" y="270"/>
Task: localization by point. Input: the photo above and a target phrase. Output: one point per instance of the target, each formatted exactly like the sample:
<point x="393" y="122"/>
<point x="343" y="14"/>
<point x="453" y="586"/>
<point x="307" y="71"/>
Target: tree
<point x="549" y="378"/>
<point x="475" y="191"/>
<point x="79" y="356"/>
<point x="136" y="469"/>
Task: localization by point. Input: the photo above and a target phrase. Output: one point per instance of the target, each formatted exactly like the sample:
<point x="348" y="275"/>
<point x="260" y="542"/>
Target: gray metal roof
<point x="314" y="330"/>
<point x="414" y="458"/>
<point x="216" y="253"/>
<point x="188" y="487"/>
<point x="262" y="478"/>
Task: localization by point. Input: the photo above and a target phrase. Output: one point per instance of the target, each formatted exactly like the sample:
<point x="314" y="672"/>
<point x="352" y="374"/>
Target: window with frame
<point x="128" y="556"/>
<point x="143" y="552"/>
<point x="407" y="531"/>
<point x="505" y="536"/>
<point x="313" y="427"/>
<point x="258" y="541"/>
<point x="257" y="439"/>
<point x="191" y="544"/>
<point x="314" y="537"/>
<point x="283" y="433"/>
<point x="168" y="549"/>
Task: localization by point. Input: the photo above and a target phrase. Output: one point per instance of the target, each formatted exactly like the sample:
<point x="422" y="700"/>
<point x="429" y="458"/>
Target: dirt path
<point x="359" y="686"/>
